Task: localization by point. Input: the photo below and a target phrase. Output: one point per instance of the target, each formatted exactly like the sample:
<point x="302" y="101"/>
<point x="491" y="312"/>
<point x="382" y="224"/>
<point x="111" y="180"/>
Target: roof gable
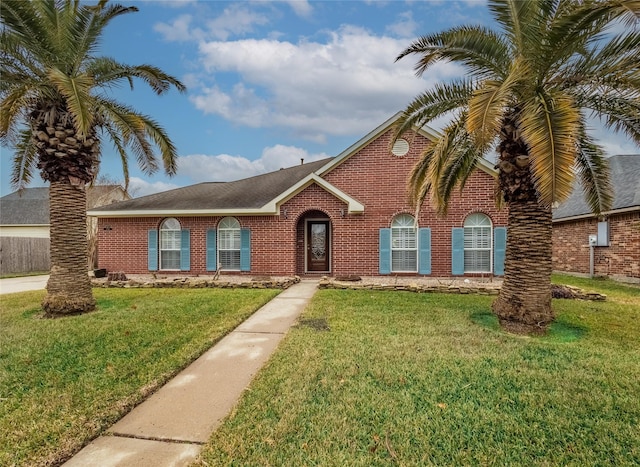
<point x="425" y="131"/>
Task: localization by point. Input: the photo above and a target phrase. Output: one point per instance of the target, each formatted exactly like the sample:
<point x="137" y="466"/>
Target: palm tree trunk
<point x="69" y="287"/>
<point x="524" y="303"/>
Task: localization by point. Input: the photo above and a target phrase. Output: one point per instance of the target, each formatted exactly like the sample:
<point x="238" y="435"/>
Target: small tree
<point x="528" y="89"/>
<point x="56" y="113"/>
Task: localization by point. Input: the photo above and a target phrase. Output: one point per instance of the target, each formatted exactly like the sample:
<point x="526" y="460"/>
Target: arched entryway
<point x="314" y="243"/>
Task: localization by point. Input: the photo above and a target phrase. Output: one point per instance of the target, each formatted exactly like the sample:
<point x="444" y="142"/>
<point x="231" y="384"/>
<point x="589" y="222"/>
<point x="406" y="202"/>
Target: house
<point x="24" y="226"/>
<point x="339" y="216"/>
<point x="615" y="234"/>
<point x="25" y="213"/>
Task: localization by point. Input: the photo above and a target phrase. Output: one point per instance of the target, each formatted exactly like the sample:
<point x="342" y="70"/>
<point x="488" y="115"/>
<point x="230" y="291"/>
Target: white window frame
<point x="170" y="239"/>
<point x="404" y="238"/>
<point x="229" y="241"/>
<point x="478" y="237"/>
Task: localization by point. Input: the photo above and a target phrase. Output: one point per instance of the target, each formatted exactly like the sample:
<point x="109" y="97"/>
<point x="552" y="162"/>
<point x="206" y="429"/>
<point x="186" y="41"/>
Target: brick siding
<point x="373" y="176"/>
<point x="620" y="259"/>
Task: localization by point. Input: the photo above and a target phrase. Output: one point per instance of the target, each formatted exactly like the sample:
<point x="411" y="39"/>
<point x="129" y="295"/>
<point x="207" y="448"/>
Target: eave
<point x="592" y="215"/>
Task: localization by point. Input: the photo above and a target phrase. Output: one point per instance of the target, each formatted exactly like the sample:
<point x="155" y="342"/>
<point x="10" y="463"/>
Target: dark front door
<point x="318" y="246"/>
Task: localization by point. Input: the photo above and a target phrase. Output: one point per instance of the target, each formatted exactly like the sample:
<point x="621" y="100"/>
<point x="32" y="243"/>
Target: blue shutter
<point x="424" y="252"/>
<point x="385" y="251"/>
<point x="245" y="250"/>
<point x="499" y="248"/>
<point x="185" y="250"/>
<point x="457" y="251"/>
<point x="211" y="250"/>
<point x="152" y="250"/>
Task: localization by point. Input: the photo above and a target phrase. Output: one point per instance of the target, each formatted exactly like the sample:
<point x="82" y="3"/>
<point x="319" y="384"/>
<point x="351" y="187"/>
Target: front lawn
<point x="394" y="378"/>
<point x="64" y="381"/>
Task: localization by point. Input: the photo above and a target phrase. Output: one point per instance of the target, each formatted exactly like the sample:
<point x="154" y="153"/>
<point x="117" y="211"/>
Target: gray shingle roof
<point x="27" y="207"/>
<point x="625" y="178"/>
<point x="30" y="206"/>
<point x="253" y="192"/>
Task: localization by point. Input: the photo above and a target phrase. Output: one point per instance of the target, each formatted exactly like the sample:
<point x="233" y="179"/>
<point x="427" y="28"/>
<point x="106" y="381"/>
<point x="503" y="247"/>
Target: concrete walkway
<point x="170" y="427"/>
<point x="22" y="284"/>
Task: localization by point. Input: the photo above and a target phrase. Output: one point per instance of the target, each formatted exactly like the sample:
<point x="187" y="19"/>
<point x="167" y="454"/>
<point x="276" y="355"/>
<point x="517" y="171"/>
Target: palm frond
<point x="550" y="126"/>
<point x="445" y="164"/>
<point x="619" y="113"/>
<point x="518" y="20"/>
<point x="439" y="101"/>
<point x="77" y="93"/>
<point x="139" y="131"/>
<point x="487" y="107"/>
<point x="98" y="17"/>
<point x="593" y="171"/>
<point x="481" y="50"/>
<point x="118" y="144"/>
<point x="13" y="100"/>
<point x="24" y="160"/>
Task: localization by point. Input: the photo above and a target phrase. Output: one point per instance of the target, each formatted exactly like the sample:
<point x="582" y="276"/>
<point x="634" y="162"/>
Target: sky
<point x="272" y="82"/>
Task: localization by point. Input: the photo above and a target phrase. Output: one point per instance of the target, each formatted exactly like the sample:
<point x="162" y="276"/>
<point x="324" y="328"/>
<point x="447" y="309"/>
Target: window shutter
<point x="245" y="250"/>
<point x="424" y="255"/>
<point x="212" y="264"/>
<point x="185" y="250"/>
<point x="457" y="251"/>
<point x="385" y="251"/>
<point x="152" y="250"/>
<point x="499" y="249"/>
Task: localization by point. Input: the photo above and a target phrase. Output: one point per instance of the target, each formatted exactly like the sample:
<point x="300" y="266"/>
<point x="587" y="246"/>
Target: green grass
<point x="392" y="378"/>
<point x="64" y="381"/>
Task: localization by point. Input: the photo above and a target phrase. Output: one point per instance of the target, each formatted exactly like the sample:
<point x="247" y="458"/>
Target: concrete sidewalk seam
<point x="155" y="438"/>
<point x="260" y="332"/>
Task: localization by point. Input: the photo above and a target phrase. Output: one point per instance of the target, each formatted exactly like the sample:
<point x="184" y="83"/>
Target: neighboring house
<point x="615" y="233"/>
<point x="25" y="213"/>
<point x="338" y="216"/>
<point x="24" y="216"/>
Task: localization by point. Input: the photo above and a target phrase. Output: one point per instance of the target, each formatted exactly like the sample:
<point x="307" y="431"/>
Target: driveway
<point x="22" y="284"/>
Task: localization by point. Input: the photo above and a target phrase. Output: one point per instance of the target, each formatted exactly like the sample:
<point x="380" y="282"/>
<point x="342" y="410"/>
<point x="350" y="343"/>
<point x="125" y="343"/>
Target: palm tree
<point x="528" y="91"/>
<point x="56" y="111"/>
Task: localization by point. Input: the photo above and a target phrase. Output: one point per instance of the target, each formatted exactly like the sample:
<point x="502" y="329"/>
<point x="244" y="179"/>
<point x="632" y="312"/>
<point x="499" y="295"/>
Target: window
<point x="229" y="244"/>
<point x="170" y="244"/>
<point x="477" y="243"/>
<point x="404" y="245"/>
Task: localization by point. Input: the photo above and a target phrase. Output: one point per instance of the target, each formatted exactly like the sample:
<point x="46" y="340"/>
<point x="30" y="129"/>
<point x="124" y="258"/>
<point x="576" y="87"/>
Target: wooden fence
<point x="21" y="254"/>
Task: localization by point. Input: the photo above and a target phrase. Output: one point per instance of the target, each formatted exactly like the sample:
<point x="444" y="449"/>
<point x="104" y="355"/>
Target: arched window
<point x="170" y="244"/>
<point x="404" y="245"/>
<point x="229" y="244"/>
<point x="477" y="243"/>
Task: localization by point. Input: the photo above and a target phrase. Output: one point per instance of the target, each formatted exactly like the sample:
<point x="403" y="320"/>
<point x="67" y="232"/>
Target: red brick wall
<point x="373" y="176"/>
<point x="621" y="258"/>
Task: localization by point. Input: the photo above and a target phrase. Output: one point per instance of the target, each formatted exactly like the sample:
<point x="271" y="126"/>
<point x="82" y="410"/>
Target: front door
<point x="318" y="246"/>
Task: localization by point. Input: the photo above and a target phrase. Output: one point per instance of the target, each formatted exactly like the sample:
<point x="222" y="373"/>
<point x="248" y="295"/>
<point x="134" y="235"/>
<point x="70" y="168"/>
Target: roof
<point x="249" y="195"/>
<point x="30" y="206"/>
<point x="625" y="178"/>
<point x="259" y="195"/>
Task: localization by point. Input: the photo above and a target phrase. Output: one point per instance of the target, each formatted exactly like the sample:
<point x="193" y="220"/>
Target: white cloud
<point x="405" y="26"/>
<point x="223" y="167"/>
<point x="344" y="86"/>
<point x="301" y="7"/>
<point x="139" y="187"/>
<point x="235" y="20"/>
<point x="180" y="30"/>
